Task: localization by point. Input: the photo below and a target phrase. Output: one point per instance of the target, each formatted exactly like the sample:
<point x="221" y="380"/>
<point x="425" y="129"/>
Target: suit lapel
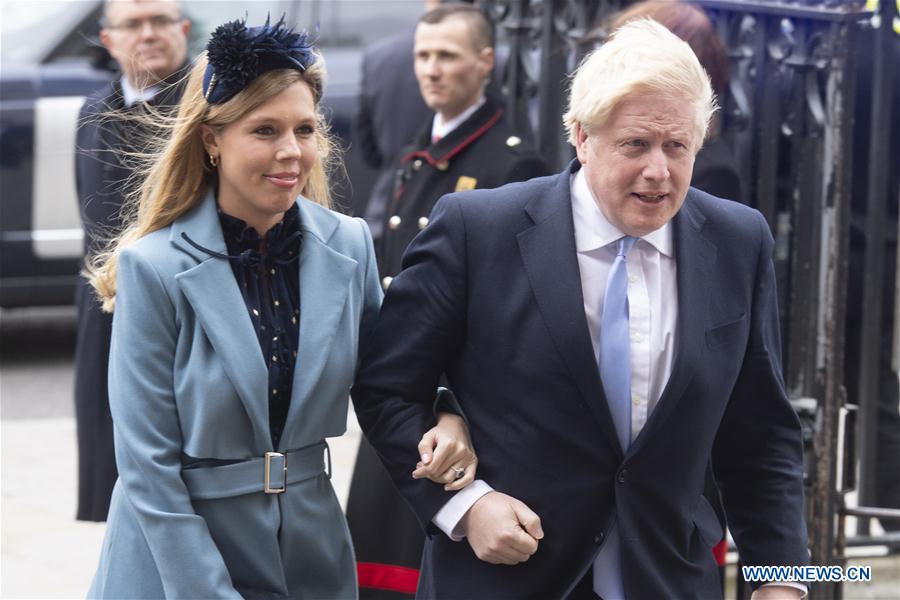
<point x="550" y="260"/>
<point x="695" y="256"/>
<point x="211" y="289"/>
<point x="325" y="278"/>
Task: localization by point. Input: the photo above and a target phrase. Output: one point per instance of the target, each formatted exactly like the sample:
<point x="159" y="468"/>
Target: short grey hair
<point x="642" y="57"/>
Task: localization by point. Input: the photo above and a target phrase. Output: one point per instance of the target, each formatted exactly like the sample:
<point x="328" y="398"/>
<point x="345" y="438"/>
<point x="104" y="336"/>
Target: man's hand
<point x="501" y="529"/>
<point x="776" y="592"/>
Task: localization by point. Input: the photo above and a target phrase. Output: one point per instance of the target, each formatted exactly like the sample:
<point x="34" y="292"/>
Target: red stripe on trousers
<point x="387" y="577"/>
<point x="720" y="551"/>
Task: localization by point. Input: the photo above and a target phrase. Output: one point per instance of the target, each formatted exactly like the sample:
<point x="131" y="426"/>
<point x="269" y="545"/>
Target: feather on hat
<point x="238" y="54"/>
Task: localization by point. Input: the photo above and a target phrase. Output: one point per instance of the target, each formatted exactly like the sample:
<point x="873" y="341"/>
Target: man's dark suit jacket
<point x="491" y="295"/>
<point x="102" y="176"/>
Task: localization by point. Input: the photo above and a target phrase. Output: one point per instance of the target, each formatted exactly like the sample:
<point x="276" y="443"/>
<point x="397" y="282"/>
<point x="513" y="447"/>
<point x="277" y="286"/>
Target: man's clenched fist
<point x="502" y="530"/>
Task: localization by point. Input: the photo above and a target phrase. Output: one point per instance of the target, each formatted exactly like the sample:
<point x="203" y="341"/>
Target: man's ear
<point x="185" y="27"/>
<point x="210" y="139"/>
<point x="486" y="56"/>
<point x="581" y="143"/>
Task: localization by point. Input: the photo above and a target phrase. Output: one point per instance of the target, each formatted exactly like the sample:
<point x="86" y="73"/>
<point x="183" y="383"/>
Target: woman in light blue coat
<point x="240" y="309"/>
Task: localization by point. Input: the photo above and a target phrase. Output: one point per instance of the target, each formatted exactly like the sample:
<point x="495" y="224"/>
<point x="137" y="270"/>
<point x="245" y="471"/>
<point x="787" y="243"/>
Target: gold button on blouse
<point x="394" y="222"/>
<point x="423" y="222"/>
<point x="386" y="282"/>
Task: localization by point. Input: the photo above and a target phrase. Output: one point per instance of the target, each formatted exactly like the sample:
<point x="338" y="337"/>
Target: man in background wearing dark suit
<point x="606" y="330"/>
<point x="148" y="39"/>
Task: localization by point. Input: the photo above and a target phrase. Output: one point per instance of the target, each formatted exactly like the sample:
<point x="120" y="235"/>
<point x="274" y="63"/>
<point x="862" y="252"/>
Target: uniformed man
<point x="467" y="143"/>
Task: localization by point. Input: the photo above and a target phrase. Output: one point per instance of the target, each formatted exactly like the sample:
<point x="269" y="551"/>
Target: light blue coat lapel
<point x="325" y="279"/>
<point x="212" y="291"/>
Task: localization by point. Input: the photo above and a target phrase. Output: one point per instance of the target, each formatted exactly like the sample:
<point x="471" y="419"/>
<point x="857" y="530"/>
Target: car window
<point x="31" y="31"/>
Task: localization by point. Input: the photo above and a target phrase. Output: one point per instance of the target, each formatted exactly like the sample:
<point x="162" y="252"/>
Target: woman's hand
<point x="447" y="454"/>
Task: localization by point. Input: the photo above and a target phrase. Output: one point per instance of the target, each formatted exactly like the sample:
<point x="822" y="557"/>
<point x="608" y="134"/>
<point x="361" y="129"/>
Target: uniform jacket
<point x="491" y="295"/>
<point x="189" y="402"/>
<point x="101" y="176"/>
<point x="483" y="152"/>
<point x="390" y="112"/>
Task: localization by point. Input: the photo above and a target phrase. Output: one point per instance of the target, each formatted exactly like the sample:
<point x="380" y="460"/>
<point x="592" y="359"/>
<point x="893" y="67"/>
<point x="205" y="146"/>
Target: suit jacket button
<point x="394" y="222"/>
<point x="622" y="474"/>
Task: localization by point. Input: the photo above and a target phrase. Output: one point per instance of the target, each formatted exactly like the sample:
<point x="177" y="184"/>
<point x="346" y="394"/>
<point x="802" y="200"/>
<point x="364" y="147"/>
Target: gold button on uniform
<point x="423" y="222"/>
<point x="513" y="141"/>
<point x="417" y="164"/>
<point x="394" y="222"/>
<point x="386" y="282"/>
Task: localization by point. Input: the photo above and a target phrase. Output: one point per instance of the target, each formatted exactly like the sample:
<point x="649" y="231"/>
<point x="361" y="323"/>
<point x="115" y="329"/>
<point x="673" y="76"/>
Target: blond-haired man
<point x="606" y="331"/>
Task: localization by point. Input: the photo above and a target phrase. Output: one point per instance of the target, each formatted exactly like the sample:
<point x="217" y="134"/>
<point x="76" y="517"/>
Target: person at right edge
<point x="606" y="331"/>
<point x="465" y="144"/>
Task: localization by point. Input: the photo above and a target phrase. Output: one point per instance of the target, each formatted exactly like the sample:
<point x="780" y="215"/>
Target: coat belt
<point x="250" y="476"/>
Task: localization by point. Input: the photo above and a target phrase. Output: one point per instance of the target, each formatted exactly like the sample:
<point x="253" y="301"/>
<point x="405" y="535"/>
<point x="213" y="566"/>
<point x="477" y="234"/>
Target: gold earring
<point x="212" y="160"/>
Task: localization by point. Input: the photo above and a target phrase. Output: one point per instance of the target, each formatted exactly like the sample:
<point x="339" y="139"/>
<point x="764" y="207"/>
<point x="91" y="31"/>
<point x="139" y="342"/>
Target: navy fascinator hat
<point x="238" y="54"/>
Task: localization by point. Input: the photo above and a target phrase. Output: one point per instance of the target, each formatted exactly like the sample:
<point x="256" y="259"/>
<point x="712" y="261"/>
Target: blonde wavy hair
<point x="642" y="57"/>
<point x="178" y="173"/>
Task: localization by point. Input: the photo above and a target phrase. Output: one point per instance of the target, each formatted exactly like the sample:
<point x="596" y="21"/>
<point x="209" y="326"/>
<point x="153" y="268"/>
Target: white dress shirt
<point x="441" y="128"/>
<point x="132" y="95"/>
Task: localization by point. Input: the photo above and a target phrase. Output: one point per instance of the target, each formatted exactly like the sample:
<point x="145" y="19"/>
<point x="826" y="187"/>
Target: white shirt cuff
<point x="791" y="584"/>
<point x="447" y="519"/>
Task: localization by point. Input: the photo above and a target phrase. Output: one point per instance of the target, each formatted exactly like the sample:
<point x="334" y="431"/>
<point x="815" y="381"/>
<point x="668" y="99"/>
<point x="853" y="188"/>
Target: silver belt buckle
<point x="267" y="487"/>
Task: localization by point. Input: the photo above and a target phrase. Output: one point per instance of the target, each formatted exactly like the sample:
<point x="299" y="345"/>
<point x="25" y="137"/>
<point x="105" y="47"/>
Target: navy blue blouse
<point x="266" y="270"/>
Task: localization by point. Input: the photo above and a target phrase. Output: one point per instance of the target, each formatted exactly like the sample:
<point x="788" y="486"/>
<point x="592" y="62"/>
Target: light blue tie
<point x="615" y="374"/>
<point x="615" y="344"/>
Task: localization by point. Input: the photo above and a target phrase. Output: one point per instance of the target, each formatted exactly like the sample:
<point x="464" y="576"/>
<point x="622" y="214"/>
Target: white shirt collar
<point x="133" y="95"/>
<point x="442" y="128"/>
<point x="593" y="230"/>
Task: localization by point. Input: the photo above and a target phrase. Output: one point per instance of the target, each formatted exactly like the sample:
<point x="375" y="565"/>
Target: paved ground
<point x="44" y="552"/>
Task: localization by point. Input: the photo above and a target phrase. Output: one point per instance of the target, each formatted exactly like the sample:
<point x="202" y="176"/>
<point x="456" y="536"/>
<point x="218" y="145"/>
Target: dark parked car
<point x="51" y="60"/>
